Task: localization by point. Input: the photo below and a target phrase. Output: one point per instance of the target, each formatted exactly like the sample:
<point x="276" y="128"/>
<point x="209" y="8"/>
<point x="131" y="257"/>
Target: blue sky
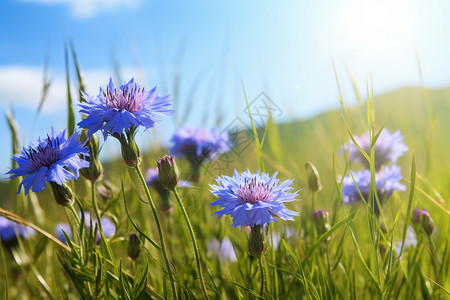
<point x="285" y="49"/>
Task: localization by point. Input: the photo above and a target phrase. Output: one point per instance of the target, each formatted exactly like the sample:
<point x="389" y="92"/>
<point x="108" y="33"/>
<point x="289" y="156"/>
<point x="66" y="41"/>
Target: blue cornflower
<point x="253" y="199"/>
<point x="223" y="250"/>
<point x="199" y="144"/>
<point x="388" y="148"/>
<point x="109" y="229"/>
<point x="387" y="181"/>
<point x="8" y="230"/>
<point x="53" y="159"/>
<point x="117" y="110"/>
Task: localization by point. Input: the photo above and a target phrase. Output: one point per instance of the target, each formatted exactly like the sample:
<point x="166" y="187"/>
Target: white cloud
<point x="21" y="86"/>
<point x="89" y="8"/>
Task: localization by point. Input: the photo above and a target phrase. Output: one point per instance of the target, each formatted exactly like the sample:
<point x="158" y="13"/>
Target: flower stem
<point x="263" y="276"/>
<point x="94" y="204"/>
<point x="194" y="242"/>
<point x="158" y="225"/>
<point x="70" y="210"/>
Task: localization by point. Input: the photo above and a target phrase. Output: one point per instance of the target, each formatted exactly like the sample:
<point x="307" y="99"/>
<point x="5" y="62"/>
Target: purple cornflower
<point x="116" y="110"/>
<point x="223" y="250"/>
<point x="253" y="199"/>
<point x="388" y="148"/>
<point x="198" y="144"/>
<point x="52" y="159"/>
<point x="8" y="230"/>
<point x="387" y="181"/>
<point x="109" y="229"/>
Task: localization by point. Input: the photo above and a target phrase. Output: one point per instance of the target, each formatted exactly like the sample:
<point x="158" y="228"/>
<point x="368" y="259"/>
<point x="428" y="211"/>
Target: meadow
<point x="380" y="247"/>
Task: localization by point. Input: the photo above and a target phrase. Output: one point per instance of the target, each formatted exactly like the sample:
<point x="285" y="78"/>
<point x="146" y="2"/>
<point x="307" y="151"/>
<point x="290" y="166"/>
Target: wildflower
<point x="9" y="231"/>
<point x="224" y="250"/>
<point x="109" y="229"/>
<point x="387" y="181"/>
<point x="199" y="145"/>
<point x="117" y="110"/>
<point x="169" y="175"/>
<point x="388" y="148"/>
<point x="53" y="160"/>
<point x="119" y="113"/>
<point x="253" y="199"/>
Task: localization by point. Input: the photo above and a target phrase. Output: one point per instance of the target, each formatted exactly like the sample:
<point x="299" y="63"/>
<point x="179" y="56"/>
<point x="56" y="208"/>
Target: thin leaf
<point x="70" y="114"/>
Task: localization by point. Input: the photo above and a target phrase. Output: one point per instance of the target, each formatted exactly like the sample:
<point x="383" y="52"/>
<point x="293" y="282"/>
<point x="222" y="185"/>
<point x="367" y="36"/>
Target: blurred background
<point x="202" y="52"/>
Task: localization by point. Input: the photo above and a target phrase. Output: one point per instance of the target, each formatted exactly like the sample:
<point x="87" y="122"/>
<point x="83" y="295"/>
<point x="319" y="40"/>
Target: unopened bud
<point x="415" y="216"/>
<point x="134" y="245"/>
<point x="427" y="222"/>
<point x="62" y="193"/>
<point x="95" y="169"/>
<point x="169" y="176"/>
<point x="256" y="242"/>
<point x="321" y="222"/>
<point x="313" y="177"/>
<point x="422" y="217"/>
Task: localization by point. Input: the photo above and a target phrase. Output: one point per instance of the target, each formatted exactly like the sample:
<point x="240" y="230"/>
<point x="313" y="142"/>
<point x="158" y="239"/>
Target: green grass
<point x="348" y="266"/>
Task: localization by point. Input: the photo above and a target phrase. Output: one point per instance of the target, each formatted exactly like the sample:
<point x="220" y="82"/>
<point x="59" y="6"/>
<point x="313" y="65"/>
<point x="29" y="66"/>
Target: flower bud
<point x="95" y="170"/>
<point x="169" y="176"/>
<point x="62" y="193"/>
<point x="422" y="217"/>
<point x="415" y="216"/>
<point x="313" y="177"/>
<point x="256" y="242"/>
<point x="134" y="247"/>
<point x="427" y="222"/>
<point x="321" y="222"/>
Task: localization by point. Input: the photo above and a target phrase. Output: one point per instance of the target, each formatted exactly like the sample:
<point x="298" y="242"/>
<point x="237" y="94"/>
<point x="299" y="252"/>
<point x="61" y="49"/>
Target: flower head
<point x="52" y="159"/>
<point x="387" y="181"/>
<point x="198" y="144"/>
<point x="388" y="148"/>
<point x="9" y="229"/>
<point x="253" y="199"/>
<point x="116" y="110"/>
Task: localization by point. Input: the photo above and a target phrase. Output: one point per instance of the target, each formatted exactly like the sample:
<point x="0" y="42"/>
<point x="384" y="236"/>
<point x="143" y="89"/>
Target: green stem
<point x="194" y="242"/>
<point x="158" y="225"/>
<point x="94" y="204"/>
<point x="70" y="210"/>
<point x="263" y="276"/>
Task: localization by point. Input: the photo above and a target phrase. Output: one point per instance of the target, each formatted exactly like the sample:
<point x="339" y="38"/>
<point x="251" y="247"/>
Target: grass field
<point x="354" y="258"/>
